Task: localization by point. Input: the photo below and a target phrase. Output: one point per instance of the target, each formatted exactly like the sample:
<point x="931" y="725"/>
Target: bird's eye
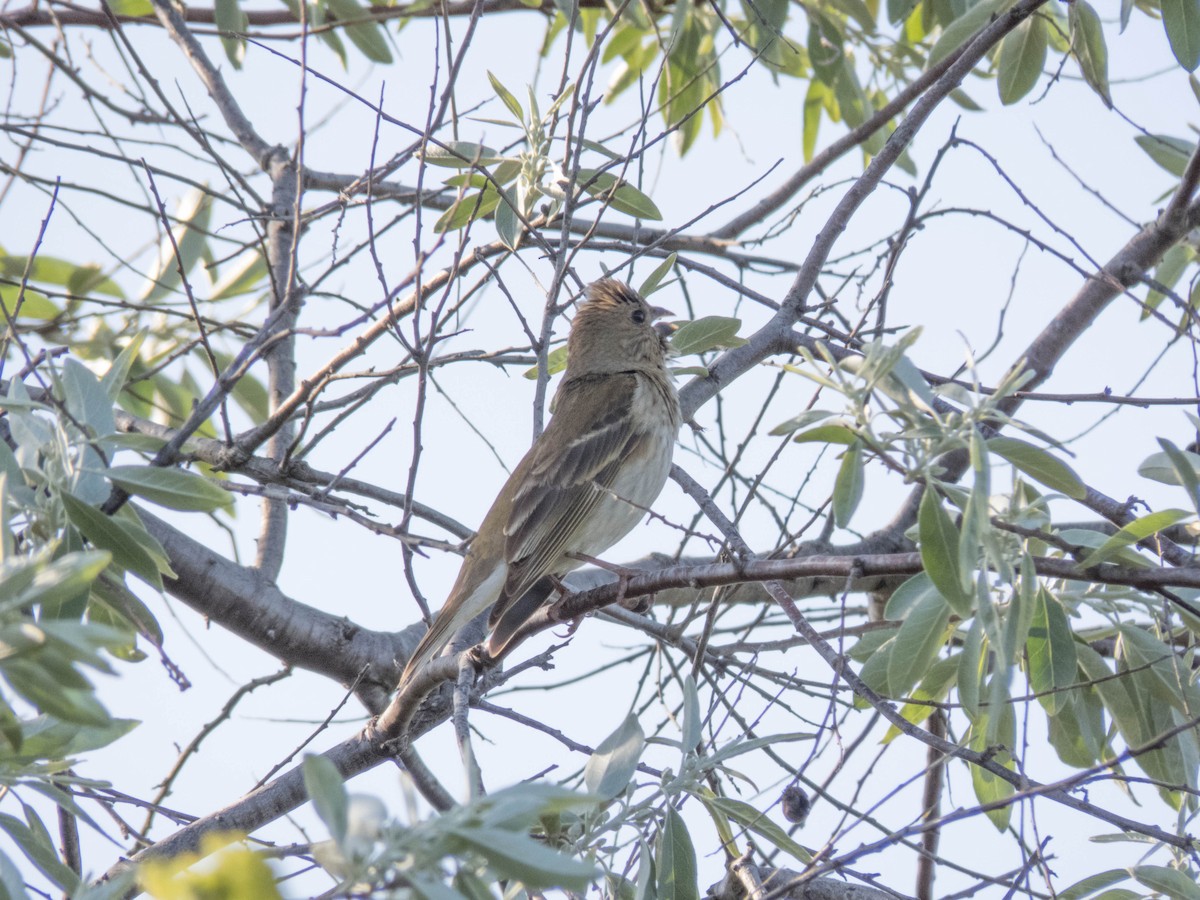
<point x="638" y="316"/>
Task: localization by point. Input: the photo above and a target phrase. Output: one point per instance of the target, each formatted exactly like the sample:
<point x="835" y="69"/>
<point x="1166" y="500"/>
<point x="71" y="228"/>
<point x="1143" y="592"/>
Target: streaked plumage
<point x="584" y="483"/>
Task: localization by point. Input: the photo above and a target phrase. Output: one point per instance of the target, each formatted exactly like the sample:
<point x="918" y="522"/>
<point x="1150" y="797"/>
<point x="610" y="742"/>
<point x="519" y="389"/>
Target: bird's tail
<point x="505" y="621"/>
<point x="434" y="641"/>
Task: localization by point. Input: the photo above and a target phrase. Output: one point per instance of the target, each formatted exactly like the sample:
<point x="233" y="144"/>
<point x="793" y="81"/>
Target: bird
<point x="584" y="483"/>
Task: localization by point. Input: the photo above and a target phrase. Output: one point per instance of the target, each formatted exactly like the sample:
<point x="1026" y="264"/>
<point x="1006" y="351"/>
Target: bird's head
<point x="613" y="331"/>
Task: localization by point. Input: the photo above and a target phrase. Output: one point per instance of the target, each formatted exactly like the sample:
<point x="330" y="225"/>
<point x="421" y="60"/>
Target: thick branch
<point x="252" y="607"/>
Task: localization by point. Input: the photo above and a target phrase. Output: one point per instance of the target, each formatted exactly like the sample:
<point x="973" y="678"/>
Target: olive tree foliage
<point x="903" y="626"/>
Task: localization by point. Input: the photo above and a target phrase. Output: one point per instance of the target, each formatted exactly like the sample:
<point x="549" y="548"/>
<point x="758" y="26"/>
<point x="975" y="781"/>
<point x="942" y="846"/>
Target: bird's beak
<point x="657" y="312"/>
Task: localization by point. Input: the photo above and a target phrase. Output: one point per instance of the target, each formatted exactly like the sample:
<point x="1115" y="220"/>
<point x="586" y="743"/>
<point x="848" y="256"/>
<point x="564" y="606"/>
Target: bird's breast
<point x="642" y="474"/>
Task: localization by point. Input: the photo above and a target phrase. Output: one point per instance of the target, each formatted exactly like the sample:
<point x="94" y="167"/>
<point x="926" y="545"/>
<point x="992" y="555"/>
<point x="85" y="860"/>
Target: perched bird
<point x="584" y="483"/>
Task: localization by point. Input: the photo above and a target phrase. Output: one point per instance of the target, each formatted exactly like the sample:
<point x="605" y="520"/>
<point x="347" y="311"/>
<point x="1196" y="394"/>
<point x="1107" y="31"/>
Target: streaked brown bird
<point x="588" y="479"/>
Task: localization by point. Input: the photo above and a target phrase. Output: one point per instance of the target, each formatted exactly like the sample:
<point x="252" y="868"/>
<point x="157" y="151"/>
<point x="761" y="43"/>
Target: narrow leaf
<point x="1091" y="52"/>
<point x="939" y="551"/>
<point x="654" y="279"/>
<point x="707" y="333"/>
<point x="506" y="96"/>
<point x="107" y="534"/>
<point x="757" y="821"/>
<point x="1053" y="663"/>
<point x="612" y="764"/>
<point x="965" y="27"/>
<point x="848" y="486"/>
<point x="917" y="643"/>
<point x="676" y="864"/>
<point x="173" y="488"/>
<point x="365" y="34"/>
<point x="1171" y="153"/>
<point x="618" y="194"/>
<point x="531" y="863"/>
<point x="1022" y="56"/>
<point x="1135" y="531"/>
<point x="326" y="789"/>
<point x="1040" y="465"/>
<point x="1181" y="19"/>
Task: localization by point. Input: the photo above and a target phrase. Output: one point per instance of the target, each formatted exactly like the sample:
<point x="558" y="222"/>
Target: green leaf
<point x="1087" y="43"/>
<point x="556" y="361"/>
<point x="825" y="47"/>
<point x="327" y="790"/>
<point x="1040" y="465"/>
<point x="1076" y="730"/>
<point x="366" y="35"/>
<point x="965" y="27"/>
<point x="40" y="852"/>
<point x="509" y="227"/>
<point x="49" y="738"/>
<point x="1135" y="531"/>
<point x="242" y="279"/>
<point x="970" y="669"/>
<point x="707" y="333"/>
<point x="66" y="577"/>
<point x="1183" y="471"/>
<point x="1053" y="664"/>
<point x="118" y="373"/>
<point x="692" y="717"/>
<point x="172" y="488"/>
<point x="859" y="11"/>
<point x="470" y="208"/>
<point x="647" y="878"/>
<point x="618" y="194"/>
<point x="231" y="21"/>
<point x="848" y="486"/>
<point x="939" y="552"/>
<point x="990" y="788"/>
<point x="828" y="434"/>
<point x="533" y="864"/>
<point x="910" y="592"/>
<point x="86" y="399"/>
<point x="1180" y="468"/>
<point x="917" y="644"/>
<point x="757" y="821"/>
<point x="1022" y="57"/>
<point x="817" y="100"/>
<point x="1153" y="666"/>
<point x="107" y="534"/>
<point x="190" y="236"/>
<point x="933" y="689"/>
<point x="1171" y="882"/>
<point x="1114" y="692"/>
<point x="963" y="99"/>
<point x="795" y="423"/>
<point x="132" y="7"/>
<point x="1170" y="153"/>
<point x="1093" y="883"/>
<point x="1181" y="19"/>
<point x="519" y="807"/>
<point x="874" y="671"/>
<point x="11" y="882"/>
<point x="1167" y="273"/>
<point x="506" y="96"/>
<point x="676" y="862"/>
<point x="34" y="304"/>
<point x="612" y="764"/>
<point x="459" y="154"/>
<point x="654" y="279"/>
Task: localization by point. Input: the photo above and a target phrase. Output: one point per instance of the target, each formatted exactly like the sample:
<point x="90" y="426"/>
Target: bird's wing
<point x="580" y="454"/>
